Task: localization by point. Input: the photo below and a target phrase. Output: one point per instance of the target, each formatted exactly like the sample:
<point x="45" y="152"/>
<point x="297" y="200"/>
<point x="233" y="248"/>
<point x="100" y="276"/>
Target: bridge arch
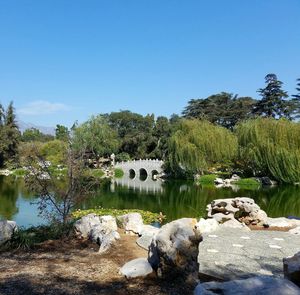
<point x="132" y="174"/>
<point x="143" y="174"/>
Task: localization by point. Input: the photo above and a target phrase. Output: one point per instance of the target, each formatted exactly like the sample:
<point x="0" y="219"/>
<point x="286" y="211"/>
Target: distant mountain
<point x="46" y="130"/>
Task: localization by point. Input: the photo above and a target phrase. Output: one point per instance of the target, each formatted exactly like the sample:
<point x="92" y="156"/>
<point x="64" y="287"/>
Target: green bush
<point x="148" y="217"/>
<point x="19" y="172"/>
<point x="119" y="173"/>
<point x="97" y="173"/>
<point x="207" y="179"/>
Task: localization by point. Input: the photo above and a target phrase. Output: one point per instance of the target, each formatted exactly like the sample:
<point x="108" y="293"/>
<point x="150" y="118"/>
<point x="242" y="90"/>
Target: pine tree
<point x="10" y="137"/>
<point x="296" y="101"/>
<point x="273" y="103"/>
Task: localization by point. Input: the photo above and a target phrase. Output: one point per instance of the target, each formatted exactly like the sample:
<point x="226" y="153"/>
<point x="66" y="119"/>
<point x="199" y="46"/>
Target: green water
<point x="174" y="198"/>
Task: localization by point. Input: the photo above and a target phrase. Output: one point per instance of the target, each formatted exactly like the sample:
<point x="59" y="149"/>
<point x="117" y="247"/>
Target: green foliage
<point x="122" y="157"/>
<point x="96" y="173"/>
<point x="96" y="137"/>
<point x="198" y="145"/>
<point x="54" y="151"/>
<point x="28" y="238"/>
<point x="207" y="179"/>
<point x="61" y="132"/>
<point x="273" y="103"/>
<point x="148" y="217"/>
<point x="119" y="173"/>
<point x="34" y="134"/>
<point x="248" y="182"/>
<point x="10" y="136"/>
<point x="270" y="147"/>
<point x="224" y="109"/>
<point x="19" y="172"/>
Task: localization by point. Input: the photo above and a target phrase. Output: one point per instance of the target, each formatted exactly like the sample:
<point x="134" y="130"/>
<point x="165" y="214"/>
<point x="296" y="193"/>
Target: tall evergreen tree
<point x="10" y="136"/>
<point x="273" y="103"/>
<point x="296" y="101"/>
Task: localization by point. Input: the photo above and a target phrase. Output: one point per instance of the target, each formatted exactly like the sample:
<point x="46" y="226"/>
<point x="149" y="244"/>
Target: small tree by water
<point x="59" y="190"/>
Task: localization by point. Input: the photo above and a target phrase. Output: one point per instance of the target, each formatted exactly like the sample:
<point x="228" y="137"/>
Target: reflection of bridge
<point x="136" y="184"/>
<point x="141" y="169"/>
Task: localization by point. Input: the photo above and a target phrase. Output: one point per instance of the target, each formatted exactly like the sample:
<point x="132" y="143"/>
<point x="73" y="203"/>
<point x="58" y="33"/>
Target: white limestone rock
<point x="259" y="285"/>
<point x="175" y="248"/>
<point x="295" y="231"/>
<point x="139" y="267"/>
<point x="291" y="268"/>
<point x="206" y="225"/>
<point x="132" y="223"/>
<point x="84" y="225"/>
<point x="7" y="229"/>
<point x="235" y="224"/>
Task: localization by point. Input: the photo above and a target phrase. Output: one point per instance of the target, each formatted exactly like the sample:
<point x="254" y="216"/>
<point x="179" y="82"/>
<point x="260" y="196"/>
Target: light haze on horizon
<point x="62" y="61"/>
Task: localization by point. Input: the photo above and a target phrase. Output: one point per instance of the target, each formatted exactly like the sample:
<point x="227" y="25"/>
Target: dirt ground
<point x="74" y="267"/>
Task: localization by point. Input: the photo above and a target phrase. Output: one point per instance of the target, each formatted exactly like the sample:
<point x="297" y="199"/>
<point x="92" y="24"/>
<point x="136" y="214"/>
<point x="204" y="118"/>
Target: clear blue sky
<point x="62" y="61"/>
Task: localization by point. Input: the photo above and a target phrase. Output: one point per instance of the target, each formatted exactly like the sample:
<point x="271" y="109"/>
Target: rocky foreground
<point x="218" y="255"/>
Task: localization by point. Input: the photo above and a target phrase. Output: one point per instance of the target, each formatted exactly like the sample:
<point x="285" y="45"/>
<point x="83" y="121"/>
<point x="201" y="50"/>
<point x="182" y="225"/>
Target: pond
<point x="175" y="199"/>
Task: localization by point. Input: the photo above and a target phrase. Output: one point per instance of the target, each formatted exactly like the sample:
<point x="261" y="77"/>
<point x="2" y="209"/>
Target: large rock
<point x="283" y="222"/>
<point x="7" y="229"/>
<point x="100" y="229"/>
<point x="175" y="248"/>
<point x="244" y="210"/>
<point x="132" y="223"/>
<point x="84" y="225"/>
<point x="259" y="285"/>
<point x="147" y="234"/>
<point x="139" y="267"/>
<point x="295" y="231"/>
<point x="206" y="225"/>
<point x="291" y="268"/>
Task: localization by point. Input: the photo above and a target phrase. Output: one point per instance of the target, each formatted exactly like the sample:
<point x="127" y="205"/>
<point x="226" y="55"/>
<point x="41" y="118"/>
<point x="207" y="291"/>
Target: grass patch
<point x="247" y="181"/>
<point x="207" y="179"/>
<point x="97" y="173"/>
<point x="119" y="173"/>
<point x="19" y="172"/>
<point x="27" y="238"/>
<point x="148" y="217"/>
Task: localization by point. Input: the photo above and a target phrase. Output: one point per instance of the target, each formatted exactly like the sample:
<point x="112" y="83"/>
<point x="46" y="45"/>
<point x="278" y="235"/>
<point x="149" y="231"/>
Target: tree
<point x="61" y="132"/>
<point x="58" y="197"/>
<point x="273" y="103"/>
<point x="296" y="101"/>
<point x="34" y="134"/>
<point x="199" y="145"/>
<point x="135" y="133"/>
<point x="270" y="147"/>
<point x="10" y="136"/>
<point x="96" y="137"/>
<point x="224" y="109"/>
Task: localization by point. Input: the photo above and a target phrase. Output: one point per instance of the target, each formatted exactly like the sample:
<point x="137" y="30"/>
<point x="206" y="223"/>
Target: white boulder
<point x="7" y="229"/>
<point x="139" y="267"/>
<point x="84" y="225"/>
<point x="175" y="248"/>
<point x="206" y="225"/>
<point x="132" y="223"/>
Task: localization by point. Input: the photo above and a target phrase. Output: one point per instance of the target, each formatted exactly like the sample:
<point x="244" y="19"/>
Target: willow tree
<point x="271" y="147"/>
<point x="198" y="145"/>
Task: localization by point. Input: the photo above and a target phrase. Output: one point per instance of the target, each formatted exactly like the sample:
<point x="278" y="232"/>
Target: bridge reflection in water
<point x="148" y="185"/>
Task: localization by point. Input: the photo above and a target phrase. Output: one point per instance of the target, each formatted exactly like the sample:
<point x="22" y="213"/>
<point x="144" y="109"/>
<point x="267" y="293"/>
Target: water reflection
<point x="175" y="199"/>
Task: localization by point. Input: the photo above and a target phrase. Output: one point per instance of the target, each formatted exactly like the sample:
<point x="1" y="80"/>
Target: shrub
<point x="148" y="217"/>
<point x="119" y="173"/>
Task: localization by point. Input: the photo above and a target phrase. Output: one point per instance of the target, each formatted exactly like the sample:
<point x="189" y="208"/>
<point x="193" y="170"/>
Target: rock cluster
<point x="245" y="210"/>
<point x="100" y="229"/>
<point x="7" y="229"/>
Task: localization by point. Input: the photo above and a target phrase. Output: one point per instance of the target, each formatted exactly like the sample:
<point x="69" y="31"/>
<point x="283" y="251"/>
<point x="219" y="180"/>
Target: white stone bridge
<point x="141" y="169"/>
